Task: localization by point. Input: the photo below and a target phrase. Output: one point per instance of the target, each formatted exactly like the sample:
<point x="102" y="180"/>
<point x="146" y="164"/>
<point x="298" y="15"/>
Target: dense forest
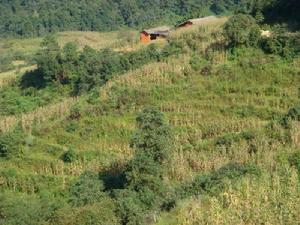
<point x="33" y="18"/>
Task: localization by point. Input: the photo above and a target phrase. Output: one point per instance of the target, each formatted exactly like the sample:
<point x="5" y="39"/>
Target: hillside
<point x="200" y="129"/>
<point x="35" y="18"/>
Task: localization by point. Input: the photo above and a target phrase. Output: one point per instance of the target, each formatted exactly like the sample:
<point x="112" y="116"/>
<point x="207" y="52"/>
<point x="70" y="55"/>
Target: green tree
<point x="69" y="156"/>
<point x="102" y="213"/>
<point x="10" y="144"/>
<point x="153" y="136"/>
<point x="88" y="189"/>
<point x="146" y="189"/>
<point x="129" y="11"/>
<point x="242" y="30"/>
<point x="48" y="60"/>
<point x="70" y="60"/>
<point x="18" y="208"/>
<point x="282" y="43"/>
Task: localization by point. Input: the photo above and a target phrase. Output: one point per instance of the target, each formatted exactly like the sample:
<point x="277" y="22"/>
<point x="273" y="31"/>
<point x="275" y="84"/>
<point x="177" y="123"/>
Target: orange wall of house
<point x="144" y="38"/>
<point x="186" y="25"/>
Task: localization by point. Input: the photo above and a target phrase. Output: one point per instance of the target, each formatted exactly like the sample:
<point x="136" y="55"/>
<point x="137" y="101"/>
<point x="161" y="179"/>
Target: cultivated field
<point x="223" y="109"/>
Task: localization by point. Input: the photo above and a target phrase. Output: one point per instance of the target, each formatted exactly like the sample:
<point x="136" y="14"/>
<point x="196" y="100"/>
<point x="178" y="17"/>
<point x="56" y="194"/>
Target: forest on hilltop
<point x="34" y="18"/>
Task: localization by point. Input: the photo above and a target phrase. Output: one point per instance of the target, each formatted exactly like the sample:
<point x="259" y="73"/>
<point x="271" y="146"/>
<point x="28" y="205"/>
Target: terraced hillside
<point x="235" y="157"/>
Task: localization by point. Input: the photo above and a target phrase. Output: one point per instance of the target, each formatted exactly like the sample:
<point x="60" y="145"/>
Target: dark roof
<point x="164" y="30"/>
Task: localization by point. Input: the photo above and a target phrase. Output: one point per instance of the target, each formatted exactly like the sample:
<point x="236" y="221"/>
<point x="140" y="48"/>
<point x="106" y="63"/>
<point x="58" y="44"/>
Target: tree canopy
<point x="38" y="17"/>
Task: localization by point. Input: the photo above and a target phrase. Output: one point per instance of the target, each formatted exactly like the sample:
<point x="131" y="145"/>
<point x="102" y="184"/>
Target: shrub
<point x="75" y="112"/>
<point x="129" y="208"/>
<point x="282" y="43"/>
<point x="22" y="209"/>
<point x="293" y="114"/>
<point x="277" y="130"/>
<point x="6" y="62"/>
<point x="294" y="160"/>
<point x="88" y="189"/>
<point x="102" y="213"/>
<point x="145" y="189"/>
<point x="227" y="140"/>
<point x="152" y="142"/>
<point x="10" y="144"/>
<point x="153" y="135"/>
<point x="217" y="8"/>
<point x="69" y="156"/>
<point x="198" y="63"/>
<point x="215" y="181"/>
<point x="72" y="126"/>
<point x="145" y="177"/>
<point x="48" y="60"/>
<point x="242" y="30"/>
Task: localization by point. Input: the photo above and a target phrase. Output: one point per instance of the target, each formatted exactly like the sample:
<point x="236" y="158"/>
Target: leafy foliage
<point x="102" y="213"/>
<point x="242" y="30"/>
<point x="6" y="62"/>
<point x="32" y="18"/>
<point x="292" y="115"/>
<point x="89" y="68"/>
<point x="145" y="189"/>
<point x="294" y="160"/>
<point x="69" y="156"/>
<point x="88" y="189"/>
<point x="25" y="209"/>
<point x="282" y="43"/>
<point x="281" y="11"/>
<point x="10" y="143"/>
<point x="153" y="135"/>
<point x="214" y="182"/>
<point x="229" y="108"/>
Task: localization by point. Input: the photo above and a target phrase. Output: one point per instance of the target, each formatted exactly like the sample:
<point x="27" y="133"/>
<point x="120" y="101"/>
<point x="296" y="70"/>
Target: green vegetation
<point x="35" y="18"/>
<point x="87" y="69"/>
<point x="200" y="129"/>
<point x="242" y="30"/>
<point x="283" y="44"/>
<point x="10" y="144"/>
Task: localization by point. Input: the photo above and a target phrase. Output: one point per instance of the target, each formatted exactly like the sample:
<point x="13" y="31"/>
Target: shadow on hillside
<point x="114" y="177"/>
<point x="32" y="79"/>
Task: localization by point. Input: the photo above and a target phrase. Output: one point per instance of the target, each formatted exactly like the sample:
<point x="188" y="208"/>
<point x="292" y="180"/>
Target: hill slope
<point x="233" y="159"/>
<point x="34" y="18"/>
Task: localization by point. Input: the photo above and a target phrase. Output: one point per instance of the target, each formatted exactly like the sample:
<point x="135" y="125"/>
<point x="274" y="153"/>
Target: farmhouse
<point x="149" y="35"/>
<point x="197" y="21"/>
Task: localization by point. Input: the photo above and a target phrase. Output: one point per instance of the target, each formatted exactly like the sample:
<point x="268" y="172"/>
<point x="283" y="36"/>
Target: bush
<point x="102" y="213"/>
<point x="129" y="208"/>
<point x="145" y="189"/>
<point x="217" y="8"/>
<point x="23" y="209"/>
<point x="214" y="182"/>
<point x="72" y="126"/>
<point x="292" y="115"/>
<point x="282" y="43"/>
<point x="227" y="140"/>
<point x="153" y="135"/>
<point x="199" y="64"/>
<point x="242" y="30"/>
<point x="10" y="144"/>
<point x="75" y="112"/>
<point x="69" y="156"/>
<point x="6" y="62"/>
<point x="294" y="160"/>
<point x="88" y="189"/>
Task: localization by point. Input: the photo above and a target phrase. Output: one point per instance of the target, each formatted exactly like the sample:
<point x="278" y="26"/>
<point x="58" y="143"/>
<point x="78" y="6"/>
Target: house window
<point x="153" y="36"/>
